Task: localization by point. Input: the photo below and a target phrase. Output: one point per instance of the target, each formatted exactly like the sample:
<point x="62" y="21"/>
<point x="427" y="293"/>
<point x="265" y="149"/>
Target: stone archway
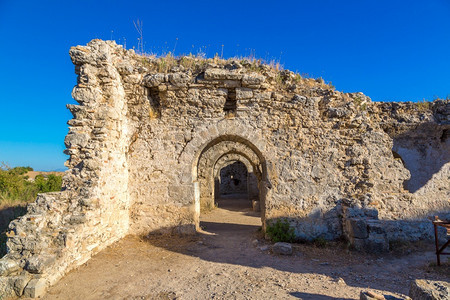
<point x="252" y="175"/>
<point x="214" y="150"/>
<point x="212" y="154"/>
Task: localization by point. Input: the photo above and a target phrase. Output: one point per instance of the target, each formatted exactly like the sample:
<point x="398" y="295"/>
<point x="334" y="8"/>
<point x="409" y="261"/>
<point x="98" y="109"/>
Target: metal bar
<point x="444" y="246"/>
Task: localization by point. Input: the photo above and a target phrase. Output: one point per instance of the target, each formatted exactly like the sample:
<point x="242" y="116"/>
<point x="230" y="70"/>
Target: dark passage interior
<point x="236" y="196"/>
<point x="233" y="180"/>
<point x="236" y="186"/>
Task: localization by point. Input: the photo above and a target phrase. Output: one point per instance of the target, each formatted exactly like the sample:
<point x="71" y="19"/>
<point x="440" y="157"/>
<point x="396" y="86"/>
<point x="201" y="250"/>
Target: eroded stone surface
<point x="422" y="289"/>
<point x="282" y="248"/>
<point x="150" y="134"/>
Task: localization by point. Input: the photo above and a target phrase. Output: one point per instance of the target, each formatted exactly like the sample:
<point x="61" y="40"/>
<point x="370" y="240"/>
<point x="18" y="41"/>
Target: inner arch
<point x="220" y="153"/>
<point x="228" y="165"/>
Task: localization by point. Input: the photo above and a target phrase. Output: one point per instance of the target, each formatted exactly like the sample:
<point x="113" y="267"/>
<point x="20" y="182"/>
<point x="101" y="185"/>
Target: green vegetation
<point x="423" y="105"/>
<point x="360" y="102"/>
<point x="280" y="231"/>
<point x="50" y="184"/>
<point x="15" y="187"/>
<point x="16" y="190"/>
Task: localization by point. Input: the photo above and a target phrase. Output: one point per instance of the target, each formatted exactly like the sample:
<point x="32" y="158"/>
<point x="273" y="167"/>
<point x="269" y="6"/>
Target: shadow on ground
<point x="231" y="235"/>
<point x="309" y="296"/>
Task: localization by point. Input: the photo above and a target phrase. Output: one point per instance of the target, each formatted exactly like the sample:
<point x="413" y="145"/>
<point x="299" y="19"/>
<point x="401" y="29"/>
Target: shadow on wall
<point x="6" y="216"/>
<point x="233" y="179"/>
<point x="424" y="151"/>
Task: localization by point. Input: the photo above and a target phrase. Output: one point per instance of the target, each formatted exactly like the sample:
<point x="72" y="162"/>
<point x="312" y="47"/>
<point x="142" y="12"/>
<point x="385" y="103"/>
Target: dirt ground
<point x="229" y="261"/>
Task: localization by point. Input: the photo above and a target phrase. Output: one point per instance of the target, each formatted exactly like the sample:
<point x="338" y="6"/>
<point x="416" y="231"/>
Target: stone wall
<point x="233" y="179"/>
<point x="63" y="230"/>
<point x="150" y="135"/>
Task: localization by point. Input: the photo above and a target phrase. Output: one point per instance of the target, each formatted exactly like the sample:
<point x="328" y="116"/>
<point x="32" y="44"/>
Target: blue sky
<point x="390" y="50"/>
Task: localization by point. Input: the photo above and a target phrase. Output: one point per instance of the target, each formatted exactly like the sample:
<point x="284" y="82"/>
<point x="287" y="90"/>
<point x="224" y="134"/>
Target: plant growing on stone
<point x="330" y="84"/>
<point x="140" y="30"/>
<point x="360" y="102"/>
<point x="423" y="105"/>
<point x="279" y="79"/>
<point x="280" y="231"/>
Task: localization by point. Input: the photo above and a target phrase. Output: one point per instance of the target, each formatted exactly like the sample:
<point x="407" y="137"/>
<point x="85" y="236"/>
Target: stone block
<point x="37" y="264"/>
<point x="371" y="213"/>
<point x="179" y="79"/>
<point x="252" y="79"/>
<point x="124" y="68"/>
<point x="298" y="99"/>
<point x="370" y="296"/>
<point x="256" y="205"/>
<point x="371" y="245"/>
<point x="336" y="112"/>
<point x="154" y="80"/>
<point x="81" y="55"/>
<point x="231" y="83"/>
<point x="76" y="139"/>
<point x="375" y="226"/>
<point x="85" y="95"/>
<point x="186" y="229"/>
<point x="376" y="244"/>
<point x="422" y="289"/>
<point x="20" y="282"/>
<point x="8" y="266"/>
<point x="244" y="93"/>
<point x="6" y="288"/>
<point x="221" y="74"/>
<point x="282" y="248"/>
<point x="77" y="219"/>
<point x="351" y="212"/>
<point x="357" y="228"/>
<point x="35" y="288"/>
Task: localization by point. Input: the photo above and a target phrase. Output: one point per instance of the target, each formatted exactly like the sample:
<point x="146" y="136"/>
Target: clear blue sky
<point x="390" y="50"/>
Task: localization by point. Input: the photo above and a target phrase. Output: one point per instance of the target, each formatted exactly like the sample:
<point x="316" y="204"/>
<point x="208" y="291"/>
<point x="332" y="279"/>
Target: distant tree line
<point x="15" y="187"/>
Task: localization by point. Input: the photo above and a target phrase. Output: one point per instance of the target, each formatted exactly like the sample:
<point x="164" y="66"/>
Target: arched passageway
<point x="230" y="167"/>
<point x="234" y="177"/>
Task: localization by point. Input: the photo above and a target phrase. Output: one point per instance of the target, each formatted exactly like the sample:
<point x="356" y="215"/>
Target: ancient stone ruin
<point x="154" y="141"/>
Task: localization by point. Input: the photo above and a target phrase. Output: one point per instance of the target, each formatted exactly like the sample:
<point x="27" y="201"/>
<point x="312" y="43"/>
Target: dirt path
<point x="225" y="262"/>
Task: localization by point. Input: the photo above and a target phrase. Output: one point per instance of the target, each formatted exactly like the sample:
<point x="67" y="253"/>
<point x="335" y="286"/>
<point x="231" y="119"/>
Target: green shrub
<point x="16" y="191"/>
<point x="50" y="184"/>
<point x="15" y="188"/>
<point x="280" y="231"/>
<point x="320" y="242"/>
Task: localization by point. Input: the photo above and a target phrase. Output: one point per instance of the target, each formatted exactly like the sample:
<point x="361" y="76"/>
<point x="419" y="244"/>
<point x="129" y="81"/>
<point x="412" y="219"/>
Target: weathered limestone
<point x="282" y="248"/>
<point x="150" y="135"/>
<point x="422" y="289"/>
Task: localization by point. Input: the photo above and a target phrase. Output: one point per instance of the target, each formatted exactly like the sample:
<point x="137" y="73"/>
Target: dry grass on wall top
<point x="199" y="62"/>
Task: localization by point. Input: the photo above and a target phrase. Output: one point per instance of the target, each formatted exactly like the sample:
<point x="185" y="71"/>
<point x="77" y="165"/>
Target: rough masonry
<point x="150" y="137"/>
